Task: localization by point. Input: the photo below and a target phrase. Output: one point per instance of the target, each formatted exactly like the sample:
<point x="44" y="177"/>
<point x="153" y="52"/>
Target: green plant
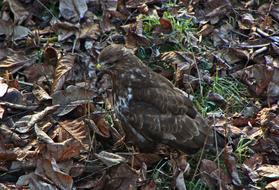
<point x="196" y="185"/>
<point x="160" y="176"/>
<point x="243" y="150"/>
<point x="231" y="90"/>
<point x="179" y="27"/>
<point x="149" y="23"/>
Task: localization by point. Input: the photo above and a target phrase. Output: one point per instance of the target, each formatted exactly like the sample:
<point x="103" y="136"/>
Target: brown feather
<point x="149" y="106"/>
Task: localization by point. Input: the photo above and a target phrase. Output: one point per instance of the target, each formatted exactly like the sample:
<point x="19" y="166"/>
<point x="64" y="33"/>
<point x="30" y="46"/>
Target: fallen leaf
<point x="270" y="171"/>
<point x="110" y="159"/>
<point x="73" y="10"/>
<point x="272" y="185"/>
<point x="64" y="67"/>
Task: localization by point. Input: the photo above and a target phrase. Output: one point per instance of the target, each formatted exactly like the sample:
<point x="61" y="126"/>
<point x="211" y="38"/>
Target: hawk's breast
<point x="122" y="100"/>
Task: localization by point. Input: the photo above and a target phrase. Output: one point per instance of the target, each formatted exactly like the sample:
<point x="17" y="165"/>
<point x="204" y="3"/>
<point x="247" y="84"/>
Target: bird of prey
<point x="150" y="107"/>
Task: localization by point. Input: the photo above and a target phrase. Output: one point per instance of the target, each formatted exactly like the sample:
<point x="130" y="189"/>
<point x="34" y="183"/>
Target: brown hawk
<point x="149" y="106"/>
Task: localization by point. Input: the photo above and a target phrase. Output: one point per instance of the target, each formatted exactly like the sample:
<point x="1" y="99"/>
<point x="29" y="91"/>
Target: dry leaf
<point x="19" y="12"/>
<point x="77" y="130"/>
<point x="110" y="159"/>
<point x="270" y="171"/>
<point x="50" y="169"/>
<point x="64" y="67"/>
<point x="73" y="10"/>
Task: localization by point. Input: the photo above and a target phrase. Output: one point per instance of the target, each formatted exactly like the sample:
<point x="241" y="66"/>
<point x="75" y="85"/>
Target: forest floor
<point x="58" y="130"/>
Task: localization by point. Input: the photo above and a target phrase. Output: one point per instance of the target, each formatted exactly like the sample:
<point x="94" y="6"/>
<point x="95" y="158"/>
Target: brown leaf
<point x="26" y="123"/>
<point x="149" y="186"/>
<point x="65" y="29"/>
<point x="73" y="10"/>
<point x="50" y="169"/>
<point x="254" y="161"/>
<point x="135" y="40"/>
<point x="50" y="56"/>
<point x="10" y="136"/>
<point x="270" y="171"/>
<point x="64" y="67"/>
<point x="148" y="158"/>
<point x="231" y="165"/>
<point x="102" y="126"/>
<point x="110" y="159"/>
<point x="250" y="165"/>
<point x="217" y="9"/>
<point x="121" y="177"/>
<point x="90" y="30"/>
<point x="72" y="94"/>
<point x="243" y="121"/>
<point x="77" y="130"/>
<point x="272" y="185"/>
<point x="104" y="132"/>
<point x="41" y="94"/>
<point x="212" y="175"/>
<point x="16" y="61"/>
<point x="7" y="155"/>
<point x="109" y="5"/>
<point x="181" y="61"/>
<point x="165" y="24"/>
<point x="13" y="96"/>
<point x="19" y="12"/>
<point x="60" y="151"/>
<point x="64" y="150"/>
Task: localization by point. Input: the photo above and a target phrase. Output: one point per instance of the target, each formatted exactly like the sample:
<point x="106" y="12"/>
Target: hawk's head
<point x="113" y="58"/>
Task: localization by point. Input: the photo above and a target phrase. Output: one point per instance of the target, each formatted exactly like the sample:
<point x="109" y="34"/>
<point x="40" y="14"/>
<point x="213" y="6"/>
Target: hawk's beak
<point x="99" y="71"/>
<point x="98" y="66"/>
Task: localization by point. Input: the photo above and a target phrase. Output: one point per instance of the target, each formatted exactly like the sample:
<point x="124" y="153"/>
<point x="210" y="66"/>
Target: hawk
<point x="149" y="106"/>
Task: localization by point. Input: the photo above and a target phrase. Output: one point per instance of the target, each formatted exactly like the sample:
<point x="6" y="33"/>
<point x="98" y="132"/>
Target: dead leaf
<point x="102" y="126"/>
<point x="77" y="130"/>
<point x="272" y="185"/>
<point x="121" y="177"/>
<point x="10" y="136"/>
<point x="212" y="175"/>
<point x="231" y="165"/>
<point x="19" y="12"/>
<point x="270" y="171"/>
<point x="60" y="151"/>
<point x="90" y="30"/>
<point x="73" y="10"/>
<point x="65" y="29"/>
<point x="51" y="56"/>
<point x="3" y="89"/>
<point x="166" y="25"/>
<point x="147" y="158"/>
<point x="109" y="5"/>
<point x="26" y="123"/>
<point x="2" y="112"/>
<point x="50" y="169"/>
<point x="15" y="62"/>
<point x="64" y="67"/>
<point x="41" y="94"/>
<point x="110" y="159"/>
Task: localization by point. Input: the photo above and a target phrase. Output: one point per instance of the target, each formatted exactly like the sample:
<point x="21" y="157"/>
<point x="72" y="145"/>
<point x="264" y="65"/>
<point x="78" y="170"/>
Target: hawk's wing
<point x="182" y="131"/>
<point x="167" y="115"/>
<point x="166" y="100"/>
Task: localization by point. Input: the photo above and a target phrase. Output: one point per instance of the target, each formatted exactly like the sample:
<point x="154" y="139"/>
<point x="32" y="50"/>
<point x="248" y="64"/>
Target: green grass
<point x="231" y="90"/>
<point x="180" y="27"/>
<point x="196" y="185"/>
<point x="243" y="151"/>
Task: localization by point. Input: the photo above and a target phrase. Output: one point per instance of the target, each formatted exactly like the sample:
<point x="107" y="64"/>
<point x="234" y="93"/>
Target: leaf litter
<point x="58" y="130"/>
